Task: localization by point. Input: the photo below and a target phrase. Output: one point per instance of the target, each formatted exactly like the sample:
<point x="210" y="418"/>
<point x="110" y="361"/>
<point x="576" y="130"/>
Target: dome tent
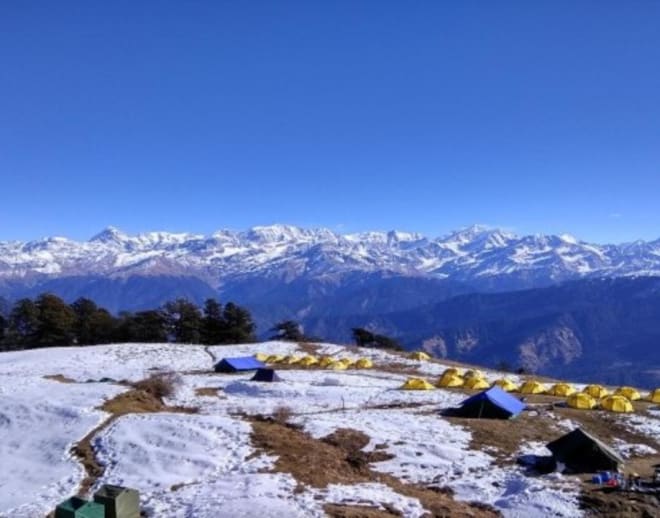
<point x="561" y="389"/>
<point x="476" y="384"/>
<point x="532" y="387"/>
<point x="581" y="400"/>
<point x="454" y="371"/>
<point x="628" y="392"/>
<point x="654" y="396"/>
<point x="596" y="391"/>
<point x="450" y="381"/>
<point x="417" y="384"/>
<point x="308" y="361"/>
<point x="505" y="384"/>
<point x="419" y="355"/>
<point x="473" y="373"/>
<point x="364" y="363"/>
<point x="616" y="403"/>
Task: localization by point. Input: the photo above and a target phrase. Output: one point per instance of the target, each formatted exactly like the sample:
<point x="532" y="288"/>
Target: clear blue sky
<point x="427" y="116"/>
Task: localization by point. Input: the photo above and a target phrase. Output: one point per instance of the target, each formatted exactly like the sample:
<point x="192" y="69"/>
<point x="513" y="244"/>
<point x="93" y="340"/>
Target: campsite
<point x="247" y="427"/>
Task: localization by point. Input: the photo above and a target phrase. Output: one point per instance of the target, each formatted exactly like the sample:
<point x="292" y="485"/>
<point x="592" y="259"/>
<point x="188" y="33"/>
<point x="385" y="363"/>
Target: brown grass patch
<point x="335" y="460"/>
<point x="207" y="391"/>
<point x="309" y="348"/>
<point x="360" y="511"/>
<point x="160" y="385"/>
<point x="59" y="377"/>
<point x="617" y="504"/>
<point x="282" y="414"/>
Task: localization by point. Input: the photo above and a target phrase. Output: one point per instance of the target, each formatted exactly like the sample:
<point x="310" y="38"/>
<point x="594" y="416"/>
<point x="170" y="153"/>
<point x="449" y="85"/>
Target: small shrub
<point x="161" y="385"/>
<point x="282" y="414"/>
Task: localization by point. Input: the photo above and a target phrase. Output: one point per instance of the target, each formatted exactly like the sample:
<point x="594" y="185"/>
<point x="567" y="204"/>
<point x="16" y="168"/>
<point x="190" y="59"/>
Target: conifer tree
<point x="239" y="327"/>
<point x="56" y="321"/>
<point x="184" y="321"/>
<point x="213" y="323"/>
<point x="23" y="324"/>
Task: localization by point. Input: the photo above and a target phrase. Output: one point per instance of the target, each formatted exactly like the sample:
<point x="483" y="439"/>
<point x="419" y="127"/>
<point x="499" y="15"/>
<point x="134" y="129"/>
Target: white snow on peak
<point x="288" y="251"/>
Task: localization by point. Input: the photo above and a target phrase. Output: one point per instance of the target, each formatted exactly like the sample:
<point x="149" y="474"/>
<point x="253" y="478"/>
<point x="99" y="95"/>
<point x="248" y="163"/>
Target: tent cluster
<point x="323" y="362"/>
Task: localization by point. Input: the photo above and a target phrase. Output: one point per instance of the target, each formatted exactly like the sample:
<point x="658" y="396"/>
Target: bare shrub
<point x="282" y="414"/>
<point x="161" y="385"/>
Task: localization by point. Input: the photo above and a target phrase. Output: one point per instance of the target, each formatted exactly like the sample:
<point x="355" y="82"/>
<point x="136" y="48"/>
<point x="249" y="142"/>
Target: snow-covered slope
<point x="287" y="252"/>
<point x="193" y="464"/>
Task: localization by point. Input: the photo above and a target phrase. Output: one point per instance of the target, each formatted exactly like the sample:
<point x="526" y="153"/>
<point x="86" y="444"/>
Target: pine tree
<point x="3" y="328"/>
<point x="23" y="324"/>
<point x="288" y="330"/>
<point x="56" y="321"/>
<point x="239" y="327"/>
<point x="148" y="326"/>
<point x="213" y="323"/>
<point x="184" y="321"/>
<point x="84" y="310"/>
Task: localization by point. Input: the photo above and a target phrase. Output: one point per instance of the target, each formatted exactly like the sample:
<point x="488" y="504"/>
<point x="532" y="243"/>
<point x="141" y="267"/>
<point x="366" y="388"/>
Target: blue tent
<point x="245" y="363"/>
<point x="493" y="403"/>
<point x="268" y="375"/>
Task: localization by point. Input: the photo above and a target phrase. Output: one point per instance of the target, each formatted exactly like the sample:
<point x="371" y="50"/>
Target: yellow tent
<point x="581" y="400"/>
<point x="628" y="392"/>
<point x="453" y="371"/>
<point x="347" y="361"/>
<point x="616" y="404"/>
<point x="476" y="383"/>
<point x="417" y="384"/>
<point x="290" y="360"/>
<point x="532" y="387"/>
<point x="561" y="389"/>
<point x="325" y="361"/>
<point x="596" y="391"/>
<point x="364" y="363"/>
<point x="337" y="366"/>
<point x="262" y="357"/>
<point x="419" y="355"/>
<point x="450" y="380"/>
<point x="274" y="358"/>
<point x="308" y="360"/>
<point x="474" y="373"/>
<point x="506" y="385"/>
<point x="654" y="396"/>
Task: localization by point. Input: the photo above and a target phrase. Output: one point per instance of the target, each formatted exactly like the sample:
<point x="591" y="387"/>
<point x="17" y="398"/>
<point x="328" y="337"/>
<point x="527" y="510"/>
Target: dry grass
<point x="207" y="392"/>
<point x="360" y="511"/>
<point x="59" y="377"/>
<point x="282" y="414"/>
<point x="160" y="385"/>
<point x="335" y="460"/>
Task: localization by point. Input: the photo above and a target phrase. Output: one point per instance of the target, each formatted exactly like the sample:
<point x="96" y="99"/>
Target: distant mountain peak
<point x="471" y="255"/>
<point x="109" y="234"/>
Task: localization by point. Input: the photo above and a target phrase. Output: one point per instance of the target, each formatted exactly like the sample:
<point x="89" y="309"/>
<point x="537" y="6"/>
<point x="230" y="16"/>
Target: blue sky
<point x="426" y="116"/>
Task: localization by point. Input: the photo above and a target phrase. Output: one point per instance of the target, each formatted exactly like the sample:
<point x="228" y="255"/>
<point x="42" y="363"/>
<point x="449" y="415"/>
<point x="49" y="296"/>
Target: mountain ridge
<point x="477" y="254"/>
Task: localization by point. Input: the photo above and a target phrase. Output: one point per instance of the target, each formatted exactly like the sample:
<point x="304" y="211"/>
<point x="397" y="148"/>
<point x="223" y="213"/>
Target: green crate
<point x="75" y="507"/>
<point x="119" y="502"/>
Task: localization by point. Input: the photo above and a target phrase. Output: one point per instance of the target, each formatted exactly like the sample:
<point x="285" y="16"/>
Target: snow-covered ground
<point x="188" y="465"/>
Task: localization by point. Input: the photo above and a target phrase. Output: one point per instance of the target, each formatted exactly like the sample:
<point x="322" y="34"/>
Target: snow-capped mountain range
<point x="475" y="254"/>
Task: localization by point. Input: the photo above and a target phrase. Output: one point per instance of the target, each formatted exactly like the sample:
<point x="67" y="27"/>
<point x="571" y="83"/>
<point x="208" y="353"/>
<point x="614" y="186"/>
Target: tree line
<point x="49" y="321"/>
